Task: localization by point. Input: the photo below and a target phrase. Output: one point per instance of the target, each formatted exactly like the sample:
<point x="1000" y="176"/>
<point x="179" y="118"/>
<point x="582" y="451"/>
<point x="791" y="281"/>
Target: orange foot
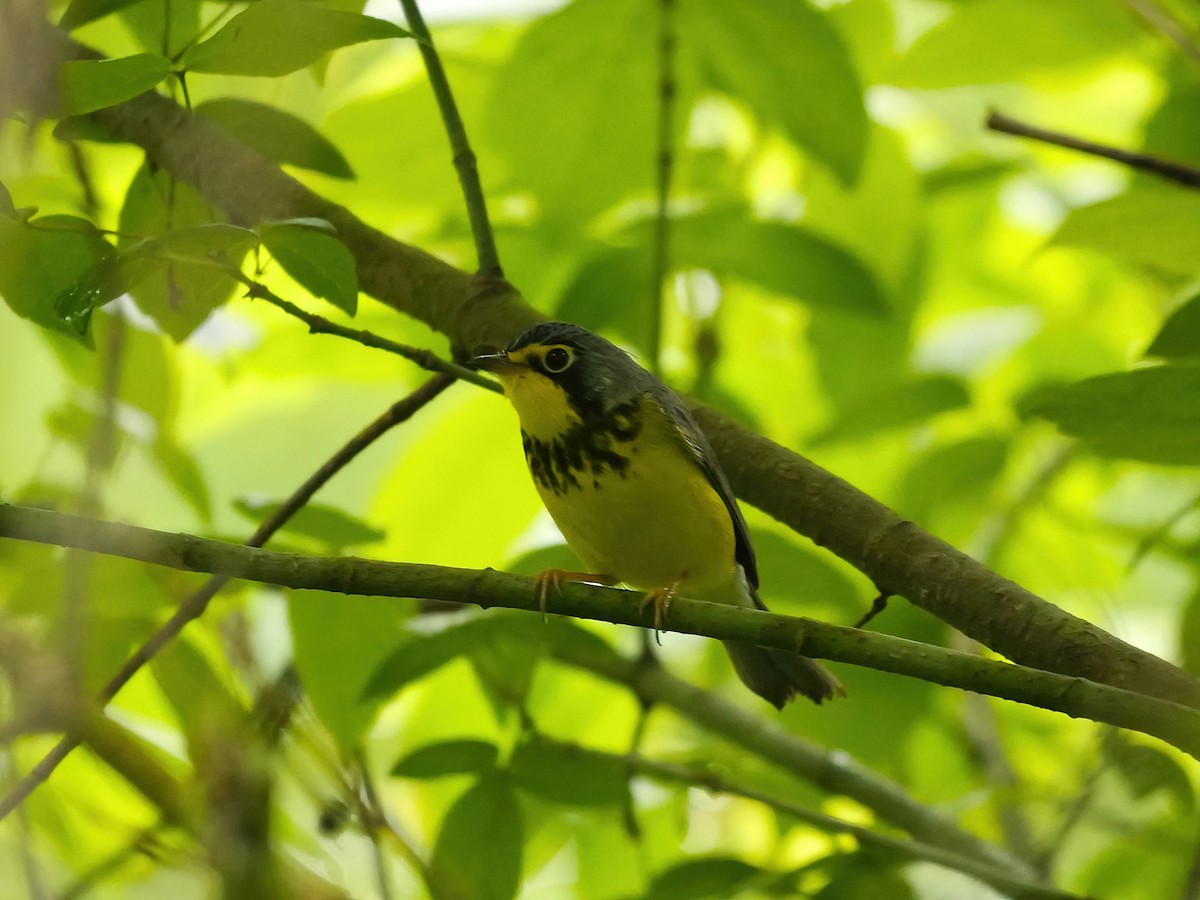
<point x="556" y="578"/>
<point x="662" y="598"/>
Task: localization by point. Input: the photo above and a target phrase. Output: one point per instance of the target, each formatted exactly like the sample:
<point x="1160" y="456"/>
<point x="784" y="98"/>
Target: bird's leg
<point x="556" y="578"/>
<point x="662" y="598"/>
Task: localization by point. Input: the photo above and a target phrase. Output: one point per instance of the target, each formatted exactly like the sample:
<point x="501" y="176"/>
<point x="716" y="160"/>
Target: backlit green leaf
<point x="317" y="260"/>
<point x="696" y="879"/>
<point x="447" y="758"/>
<point x="1179" y="337"/>
<point x="1153" y="227"/>
<point x="478" y="851"/>
<point x="277" y="135"/>
<point x="327" y="524"/>
<point x="80" y="12"/>
<point x="92" y="84"/>
<point x="275" y="37"/>
<point x="564" y="773"/>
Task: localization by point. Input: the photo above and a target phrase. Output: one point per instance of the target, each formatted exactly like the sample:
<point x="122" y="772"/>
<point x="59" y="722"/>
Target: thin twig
<point x="370" y="815"/>
<point x="464" y="157"/>
<point x="1179" y="173"/>
<point x="426" y="359"/>
<point x="664" y="164"/>
<point x="195" y="605"/>
<point x="1166" y="24"/>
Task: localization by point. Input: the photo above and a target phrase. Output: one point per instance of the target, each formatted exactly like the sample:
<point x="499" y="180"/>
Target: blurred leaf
<point x="180" y="295"/>
<point x="568" y="774"/>
<point x="155" y="24"/>
<point x="572" y="111"/>
<point x="950" y="473"/>
<point x="7" y="209"/>
<point x="1179" y="336"/>
<point x="1189" y="635"/>
<point x="92" y="84"/>
<point x="1147" y="769"/>
<point x="535" y="562"/>
<point x="339" y="641"/>
<point x="800" y="581"/>
<point x="1148" y="414"/>
<point x="317" y="260"/>
<point x="183" y="473"/>
<point x="478" y="851"/>
<point x="275" y="37"/>
<point x="787" y="63"/>
<point x="277" y="135"/>
<point x="419" y="654"/>
<point x="80" y="12"/>
<point x="995" y="41"/>
<point x="42" y="259"/>
<point x="864" y="876"/>
<point x="201" y="699"/>
<point x="1150" y="227"/>
<point x="869" y="32"/>
<point x="447" y="758"/>
<point x="694" y="879"/>
<point x="604" y="295"/>
<point x="327" y="524"/>
<point x="910" y="402"/>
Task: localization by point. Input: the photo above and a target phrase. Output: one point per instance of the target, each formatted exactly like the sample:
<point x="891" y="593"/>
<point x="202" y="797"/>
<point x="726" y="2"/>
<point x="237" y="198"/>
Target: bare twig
<point x="1179" y="173"/>
<point x="664" y="160"/>
<point x="373" y="817"/>
<point x="464" y="157"/>
<point x="195" y="605"/>
<point x="1166" y="24"/>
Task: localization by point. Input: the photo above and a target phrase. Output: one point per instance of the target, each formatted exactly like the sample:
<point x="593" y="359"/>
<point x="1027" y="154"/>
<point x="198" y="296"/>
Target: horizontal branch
<point x="1077" y="697"/>
<point x="895" y="554"/>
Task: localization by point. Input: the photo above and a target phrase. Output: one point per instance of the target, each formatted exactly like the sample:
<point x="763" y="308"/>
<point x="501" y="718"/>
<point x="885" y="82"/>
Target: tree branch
<point x="1179" y="173"/>
<point x="473" y="312"/>
<point x="1171" y="722"/>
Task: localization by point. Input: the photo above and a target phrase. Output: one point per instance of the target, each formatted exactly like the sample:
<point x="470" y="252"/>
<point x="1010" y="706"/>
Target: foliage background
<point x="861" y="271"/>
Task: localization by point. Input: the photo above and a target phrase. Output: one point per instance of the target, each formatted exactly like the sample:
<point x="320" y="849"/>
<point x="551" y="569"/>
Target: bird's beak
<point x="497" y="363"/>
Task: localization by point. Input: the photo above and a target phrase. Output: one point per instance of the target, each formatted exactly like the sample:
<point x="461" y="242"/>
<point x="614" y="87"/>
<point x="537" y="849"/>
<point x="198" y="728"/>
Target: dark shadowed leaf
<point x="277" y="135"/>
<point x="327" y="524"/>
<point x="317" y="260"/>
<point x="1149" y="414"/>
<point x="1179" y="336"/>
<point x="950" y="473"/>
<point x="786" y="62"/>
<point x="419" y="654"/>
<point x="908" y="402"/>
<point x="478" y="851"/>
<point x="1189" y="635"/>
<point x="275" y="37"/>
<point x="1147" y="769"/>
<point x="92" y="84"/>
<point x="80" y="12"/>
<point x="447" y="758"/>
<point x="7" y="210"/>
<point x="564" y="773"/>
<point x="697" y="879"/>
<point x="801" y="581"/>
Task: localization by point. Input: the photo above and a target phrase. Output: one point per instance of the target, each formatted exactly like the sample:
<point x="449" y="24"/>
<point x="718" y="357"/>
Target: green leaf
<point x="1149" y="414"/>
<point x="7" y="210"/>
<point x="800" y="581"/>
<point x="447" y="758"/>
<point x="318" y="261"/>
<point x="339" y="643"/>
<point x="478" y="851"/>
<point x="42" y="259"/>
<point x="418" y="655"/>
<point x="200" y="698"/>
<point x="1189" y="635"/>
<point x="184" y="474"/>
<point x="568" y="774"/>
<point x="330" y="526"/>
<point x="909" y="402"/>
<point x="1147" y="769"/>
<point x="276" y="134"/>
<point x="695" y="879"/>
<point x="181" y="294"/>
<point x="176" y="23"/>
<point x="787" y="63"/>
<point x="950" y="473"/>
<point x="996" y="41"/>
<point x="1179" y="336"/>
<point x="572" y="111"/>
<point x="1152" y="227"/>
<point x="92" y="84"/>
<point x="275" y="37"/>
<point x="80" y="12"/>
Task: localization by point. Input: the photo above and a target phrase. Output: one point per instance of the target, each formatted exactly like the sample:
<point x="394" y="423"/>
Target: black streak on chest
<point x="585" y="451"/>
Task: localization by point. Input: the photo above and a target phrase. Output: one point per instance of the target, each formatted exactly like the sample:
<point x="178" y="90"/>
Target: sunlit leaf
<point x="1150" y="227"/>
<point x="80" y="12"/>
<point x="275" y="37"/>
<point x="447" y="758"/>
<point x="276" y="134"/>
<point x="317" y="260"/>
<point x="93" y="84"/>
<point x="478" y="851"/>
<point x="1148" y="414"/>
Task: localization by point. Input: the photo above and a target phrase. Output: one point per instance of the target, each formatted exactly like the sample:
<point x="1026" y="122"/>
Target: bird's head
<point x="557" y="374"/>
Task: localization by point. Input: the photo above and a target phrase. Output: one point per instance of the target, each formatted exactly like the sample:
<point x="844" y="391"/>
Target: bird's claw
<point x="662" y="598"/>
<point x="556" y="578"/>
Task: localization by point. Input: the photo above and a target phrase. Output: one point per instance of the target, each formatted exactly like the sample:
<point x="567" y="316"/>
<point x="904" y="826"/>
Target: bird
<point x="636" y="490"/>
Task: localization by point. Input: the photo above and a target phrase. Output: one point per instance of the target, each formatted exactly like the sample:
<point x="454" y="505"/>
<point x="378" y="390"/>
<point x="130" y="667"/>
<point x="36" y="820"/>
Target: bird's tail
<point x="779" y="675"/>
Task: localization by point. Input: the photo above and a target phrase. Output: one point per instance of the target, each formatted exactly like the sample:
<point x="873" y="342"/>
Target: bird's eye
<point x="557" y="359"/>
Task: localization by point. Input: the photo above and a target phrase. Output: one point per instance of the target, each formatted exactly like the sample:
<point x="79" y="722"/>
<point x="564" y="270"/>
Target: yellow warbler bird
<point x="635" y="488"/>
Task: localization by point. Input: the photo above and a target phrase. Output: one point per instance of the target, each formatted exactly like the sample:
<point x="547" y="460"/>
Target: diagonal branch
<point x="895" y="554"/>
<point x="1171" y="722"/>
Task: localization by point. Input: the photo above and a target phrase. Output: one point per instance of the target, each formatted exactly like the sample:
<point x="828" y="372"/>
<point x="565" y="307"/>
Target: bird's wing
<point x="706" y="458"/>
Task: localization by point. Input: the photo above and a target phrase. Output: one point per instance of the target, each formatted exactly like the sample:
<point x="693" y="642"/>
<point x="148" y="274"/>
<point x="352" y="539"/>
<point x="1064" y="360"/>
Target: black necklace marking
<point x="585" y="450"/>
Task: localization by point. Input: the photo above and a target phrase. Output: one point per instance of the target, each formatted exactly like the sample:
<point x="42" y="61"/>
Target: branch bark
<point x="1078" y="697"/>
<point x="896" y="554"/>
